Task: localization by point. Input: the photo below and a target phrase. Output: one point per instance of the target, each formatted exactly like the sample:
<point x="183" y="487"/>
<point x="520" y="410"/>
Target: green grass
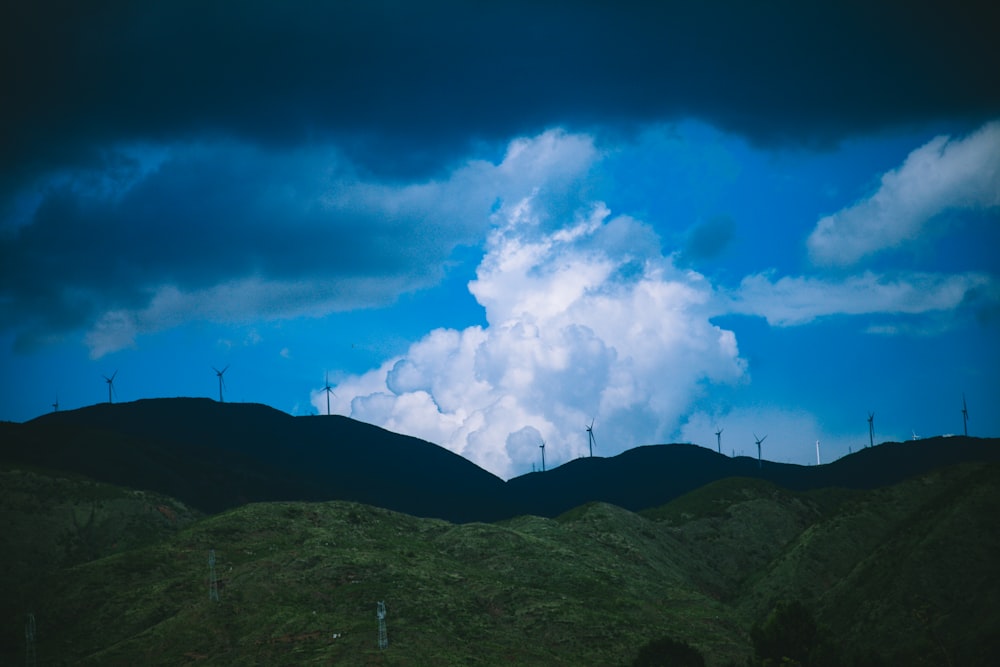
<point x="897" y="569"/>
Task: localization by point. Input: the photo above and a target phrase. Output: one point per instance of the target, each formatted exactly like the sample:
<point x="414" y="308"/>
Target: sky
<point x="491" y="224"/>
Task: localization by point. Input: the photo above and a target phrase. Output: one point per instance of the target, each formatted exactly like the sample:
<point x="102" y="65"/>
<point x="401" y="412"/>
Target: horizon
<point x="515" y="221"/>
<point x="548" y="468"/>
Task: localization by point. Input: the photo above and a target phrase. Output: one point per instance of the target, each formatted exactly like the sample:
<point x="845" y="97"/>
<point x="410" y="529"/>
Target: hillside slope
<point x="905" y="573"/>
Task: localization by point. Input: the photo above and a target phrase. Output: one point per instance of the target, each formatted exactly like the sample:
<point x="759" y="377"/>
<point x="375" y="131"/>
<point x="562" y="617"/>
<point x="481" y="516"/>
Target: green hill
<point x="904" y="572"/>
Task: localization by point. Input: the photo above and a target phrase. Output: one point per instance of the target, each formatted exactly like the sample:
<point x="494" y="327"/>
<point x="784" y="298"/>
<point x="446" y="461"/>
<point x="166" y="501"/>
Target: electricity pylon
<point x="383" y="637"/>
<point x="30" y="657"/>
<point x="213" y="583"/>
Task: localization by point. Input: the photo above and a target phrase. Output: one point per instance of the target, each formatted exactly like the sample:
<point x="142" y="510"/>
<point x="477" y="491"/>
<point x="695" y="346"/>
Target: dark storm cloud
<point x="405" y="84"/>
<point x="105" y="199"/>
<point x="201" y="218"/>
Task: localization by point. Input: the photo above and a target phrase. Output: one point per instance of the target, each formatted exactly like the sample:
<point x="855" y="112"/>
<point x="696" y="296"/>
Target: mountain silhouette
<point x="215" y="456"/>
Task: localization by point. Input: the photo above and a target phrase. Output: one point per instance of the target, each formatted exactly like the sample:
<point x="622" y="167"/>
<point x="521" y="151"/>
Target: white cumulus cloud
<point x="942" y="175"/>
<point x="585" y="321"/>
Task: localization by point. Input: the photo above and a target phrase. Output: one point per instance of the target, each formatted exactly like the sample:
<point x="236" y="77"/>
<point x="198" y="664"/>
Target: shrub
<point x="788" y="636"/>
<point x="667" y="652"/>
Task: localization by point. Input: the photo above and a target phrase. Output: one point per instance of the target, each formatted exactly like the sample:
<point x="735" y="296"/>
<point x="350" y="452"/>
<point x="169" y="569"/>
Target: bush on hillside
<point x="787" y="636"/>
<point x="667" y="652"/>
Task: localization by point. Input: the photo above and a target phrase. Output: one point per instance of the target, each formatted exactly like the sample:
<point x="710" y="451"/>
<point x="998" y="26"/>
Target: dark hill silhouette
<point x="215" y="456"/>
<point x="654" y="475"/>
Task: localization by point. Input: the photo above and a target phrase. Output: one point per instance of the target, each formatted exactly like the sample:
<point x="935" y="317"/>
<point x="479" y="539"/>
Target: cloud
<point x="407" y="87"/>
<point x="791" y="301"/>
<point x="229" y="233"/>
<point x="585" y="321"/>
<point x="942" y="175"/>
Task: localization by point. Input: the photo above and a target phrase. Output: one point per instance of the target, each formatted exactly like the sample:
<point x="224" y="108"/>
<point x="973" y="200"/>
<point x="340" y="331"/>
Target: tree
<point x="787" y="637"/>
<point x="667" y="652"/>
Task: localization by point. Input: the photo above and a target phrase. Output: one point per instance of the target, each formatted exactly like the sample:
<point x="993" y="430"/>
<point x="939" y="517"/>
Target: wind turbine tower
<point x="718" y="439"/>
<point x="590" y="437"/>
<point x="871" y="429"/>
<point x="542" y="447"/>
<point x="329" y="390"/>
<point x="221" y="381"/>
<point x="111" y="383"/>
<point x="55" y="406"/>
<point x="817" y="453"/>
<point x="965" y="417"/>
<point x="758" y="441"/>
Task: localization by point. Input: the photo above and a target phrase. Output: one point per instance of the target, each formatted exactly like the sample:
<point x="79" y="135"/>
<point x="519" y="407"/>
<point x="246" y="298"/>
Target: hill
<point x="215" y="456"/>
<point x="897" y="575"/>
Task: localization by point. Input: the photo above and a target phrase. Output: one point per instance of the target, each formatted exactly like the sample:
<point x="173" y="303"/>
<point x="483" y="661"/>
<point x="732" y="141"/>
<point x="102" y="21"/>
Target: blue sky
<point x="490" y="226"/>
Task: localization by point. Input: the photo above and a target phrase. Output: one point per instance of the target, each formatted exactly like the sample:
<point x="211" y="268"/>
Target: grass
<point x="897" y="569"/>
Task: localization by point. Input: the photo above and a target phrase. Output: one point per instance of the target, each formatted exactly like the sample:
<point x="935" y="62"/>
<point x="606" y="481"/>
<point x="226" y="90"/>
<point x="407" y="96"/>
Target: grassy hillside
<point x="53" y="521"/>
<point x="589" y="590"/>
<point x="905" y="571"/>
<point x="912" y="565"/>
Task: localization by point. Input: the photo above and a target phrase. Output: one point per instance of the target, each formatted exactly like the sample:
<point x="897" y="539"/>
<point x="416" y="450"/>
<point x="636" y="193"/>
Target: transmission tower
<point x="213" y="583"/>
<point x="383" y="638"/>
<point x="30" y="658"/>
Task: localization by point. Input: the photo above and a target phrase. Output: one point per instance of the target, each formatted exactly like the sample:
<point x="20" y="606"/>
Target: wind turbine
<point x="329" y="390"/>
<point x="718" y="438"/>
<point x="759" y="440"/>
<point x="817" y="453"/>
<point x="55" y="406"/>
<point x="590" y="437"/>
<point x="542" y="447"/>
<point x="222" y="382"/>
<point x="111" y="384"/>
<point x="871" y="429"/>
<point x="965" y="417"/>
